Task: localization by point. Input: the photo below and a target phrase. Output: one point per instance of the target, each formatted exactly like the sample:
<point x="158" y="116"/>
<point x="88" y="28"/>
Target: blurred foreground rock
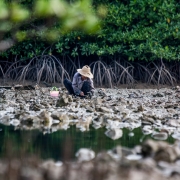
<point x="159" y="161"/>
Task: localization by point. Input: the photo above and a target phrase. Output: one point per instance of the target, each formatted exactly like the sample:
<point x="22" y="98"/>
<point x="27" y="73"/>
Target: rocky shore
<point x="156" y="111"/>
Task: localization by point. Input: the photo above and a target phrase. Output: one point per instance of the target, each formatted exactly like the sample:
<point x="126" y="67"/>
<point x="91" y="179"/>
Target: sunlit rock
<point x="97" y="122"/>
<point x="64" y="125"/>
<point x="10" y="109"/>
<point x="85" y="154"/>
<point x="114" y="133"/>
<point x="53" y="170"/>
<point x="96" y="126"/>
<point x="115" y="153"/>
<point x="158" y="124"/>
<point x="58" y="163"/>
<point x="169" y="105"/>
<point x="158" y="94"/>
<point x="149" y="113"/>
<point x="30" y="173"/>
<point x="167" y="153"/>
<point x="22" y="115"/>
<point x="46" y="130"/>
<point x="35" y="107"/>
<point x="73" y="121"/>
<point x="97" y="101"/>
<point x="105" y="109"/>
<point x="60" y="116"/>
<point x="168" y="169"/>
<point x="160" y="151"/>
<point x="102" y="92"/>
<point x="147" y="120"/>
<point x="147" y="129"/>
<point x="84" y="122"/>
<point x="112" y="124"/>
<point x="62" y="101"/>
<point x="55" y="121"/>
<point x="89" y="109"/>
<point x="137" y="149"/>
<point x="73" y="109"/>
<point x="46" y="104"/>
<point x="70" y="99"/>
<point x="45" y="117"/>
<point x="169" y="128"/>
<point x="160" y="114"/>
<point x="135" y="117"/>
<point x="118" y="117"/>
<point x="160" y="135"/>
<point x="123" y="125"/>
<point x="149" y="147"/>
<point x="15" y="122"/>
<point x="64" y="117"/>
<point x="171" y="111"/>
<point x="135" y="124"/>
<point x="83" y="128"/>
<point x="119" y="108"/>
<point x="173" y="123"/>
<point x="56" y="114"/>
<point x="86" y="119"/>
<point x="131" y="134"/>
<point x="54" y="128"/>
<point x="134" y="157"/>
<point x="5" y="118"/>
<point x="140" y="108"/>
<point x="176" y="135"/>
<point x="126" y="113"/>
<point x="2" y="113"/>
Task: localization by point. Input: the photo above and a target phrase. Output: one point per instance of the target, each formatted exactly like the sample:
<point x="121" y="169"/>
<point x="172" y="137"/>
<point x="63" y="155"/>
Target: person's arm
<point x="77" y="91"/>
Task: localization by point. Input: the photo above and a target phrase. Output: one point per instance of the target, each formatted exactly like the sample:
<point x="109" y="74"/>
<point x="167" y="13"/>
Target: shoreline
<point x="138" y="85"/>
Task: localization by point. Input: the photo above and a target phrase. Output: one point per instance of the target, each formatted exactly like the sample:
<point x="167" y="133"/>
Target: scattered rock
<point x="114" y="133"/>
<point x="85" y="154"/>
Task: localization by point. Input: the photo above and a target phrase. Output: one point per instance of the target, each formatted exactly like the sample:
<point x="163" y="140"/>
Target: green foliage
<point x="26" y="49"/>
<point x="46" y="19"/>
<point x="54" y="88"/>
<point x="132" y="33"/>
<point x="145" y="30"/>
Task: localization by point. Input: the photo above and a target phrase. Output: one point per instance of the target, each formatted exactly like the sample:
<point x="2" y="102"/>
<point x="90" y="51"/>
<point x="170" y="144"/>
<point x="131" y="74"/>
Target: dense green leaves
<point x="45" y="19"/>
<point x="133" y="30"/>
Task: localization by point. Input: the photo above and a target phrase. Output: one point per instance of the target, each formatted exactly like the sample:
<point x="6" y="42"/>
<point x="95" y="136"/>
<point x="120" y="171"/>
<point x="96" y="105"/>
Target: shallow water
<point x="63" y="144"/>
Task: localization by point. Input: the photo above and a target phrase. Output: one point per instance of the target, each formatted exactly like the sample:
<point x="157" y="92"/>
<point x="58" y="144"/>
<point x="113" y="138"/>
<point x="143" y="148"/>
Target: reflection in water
<point x="63" y="144"/>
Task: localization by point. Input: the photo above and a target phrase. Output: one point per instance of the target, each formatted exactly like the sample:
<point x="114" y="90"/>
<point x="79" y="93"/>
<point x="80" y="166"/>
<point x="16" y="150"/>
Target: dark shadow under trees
<point x="107" y="73"/>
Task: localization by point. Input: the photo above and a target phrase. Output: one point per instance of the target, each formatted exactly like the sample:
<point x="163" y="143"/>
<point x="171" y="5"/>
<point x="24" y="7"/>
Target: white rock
<point x="134" y="157"/>
<point x="15" y="122"/>
<point x="85" y="154"/>
<point x="160" y="135"/>
<point x="176" y="135"/>
<point x="114" y="133"/>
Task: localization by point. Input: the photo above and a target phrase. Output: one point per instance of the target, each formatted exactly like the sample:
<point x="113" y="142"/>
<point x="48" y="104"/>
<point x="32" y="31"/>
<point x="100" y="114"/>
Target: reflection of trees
<point x="56" y="145"/>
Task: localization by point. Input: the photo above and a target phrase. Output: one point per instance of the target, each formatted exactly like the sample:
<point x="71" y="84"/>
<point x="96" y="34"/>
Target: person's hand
<point x="81" y="93"/>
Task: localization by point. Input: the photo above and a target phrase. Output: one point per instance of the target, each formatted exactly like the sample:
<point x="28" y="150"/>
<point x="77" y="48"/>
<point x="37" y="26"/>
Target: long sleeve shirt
<point x="77" y="83"/>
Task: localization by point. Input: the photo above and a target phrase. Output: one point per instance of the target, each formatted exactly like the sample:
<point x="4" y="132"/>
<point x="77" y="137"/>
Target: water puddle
<point x="65" y="143"/>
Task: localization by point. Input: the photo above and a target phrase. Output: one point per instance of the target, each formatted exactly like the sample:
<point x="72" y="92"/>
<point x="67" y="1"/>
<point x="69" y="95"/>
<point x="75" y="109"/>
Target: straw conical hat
<point x="85" y="71"/>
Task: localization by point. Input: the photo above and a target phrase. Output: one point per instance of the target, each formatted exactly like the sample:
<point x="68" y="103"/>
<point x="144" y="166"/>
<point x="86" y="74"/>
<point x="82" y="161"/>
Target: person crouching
<point x="82" y="83"/>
